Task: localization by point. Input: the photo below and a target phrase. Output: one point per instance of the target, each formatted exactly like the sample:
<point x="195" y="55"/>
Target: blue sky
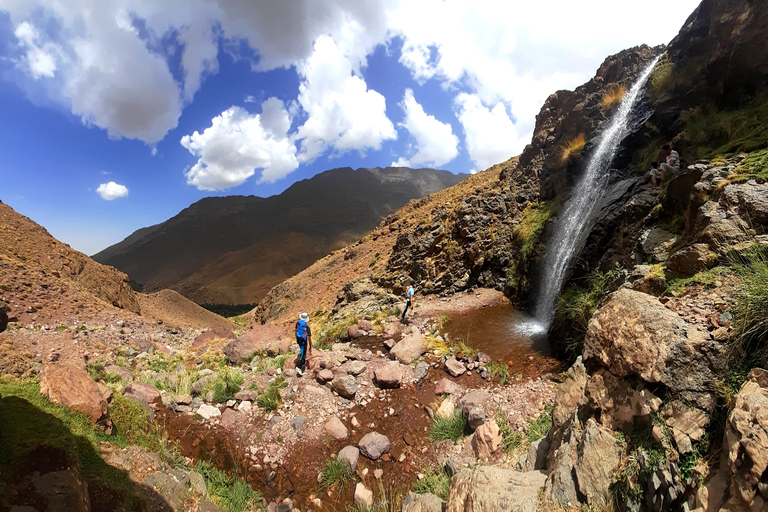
<point x="117" y="115"/>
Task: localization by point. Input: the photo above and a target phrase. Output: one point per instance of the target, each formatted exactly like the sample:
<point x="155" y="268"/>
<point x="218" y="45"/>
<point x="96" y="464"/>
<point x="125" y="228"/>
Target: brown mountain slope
<point x="44" y="281"/>
<point x="316" y="288"/>
<point x="234" y="249"/>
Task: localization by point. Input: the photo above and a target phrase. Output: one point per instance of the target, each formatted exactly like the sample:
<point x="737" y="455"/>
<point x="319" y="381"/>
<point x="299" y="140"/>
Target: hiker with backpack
<point x="408" y="301"/>
<point x="304" y="340"/>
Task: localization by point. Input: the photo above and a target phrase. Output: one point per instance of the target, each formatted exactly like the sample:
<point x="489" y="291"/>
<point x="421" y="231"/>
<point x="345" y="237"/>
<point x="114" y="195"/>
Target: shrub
<point x="335" y="473"/>
<point x="226" y="384"/>
<point x="270" y="398"/>
<point x="612" y="96"/>
<point x="661" y="79"/>
<point x="131" y="422"/>
<point x="453" y="428"/>
<point x="572" y="148"/>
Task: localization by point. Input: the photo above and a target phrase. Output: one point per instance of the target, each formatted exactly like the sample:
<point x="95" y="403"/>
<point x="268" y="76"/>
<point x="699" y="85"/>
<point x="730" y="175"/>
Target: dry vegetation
<point x="572" y="148"/>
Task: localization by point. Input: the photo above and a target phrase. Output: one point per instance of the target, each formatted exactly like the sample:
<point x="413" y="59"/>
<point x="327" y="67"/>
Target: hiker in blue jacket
<point x="408" y="301"/>
<point x="304" y="339"/>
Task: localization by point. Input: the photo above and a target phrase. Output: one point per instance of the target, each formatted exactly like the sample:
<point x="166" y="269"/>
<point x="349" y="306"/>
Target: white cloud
<point x="39" y="59"/>
<point x="490" y="135"/>
<point x="238" y="143"/>
<point x="343" y="113"/>
<point x="112" y="190"/>
<point x="436" y="143"/>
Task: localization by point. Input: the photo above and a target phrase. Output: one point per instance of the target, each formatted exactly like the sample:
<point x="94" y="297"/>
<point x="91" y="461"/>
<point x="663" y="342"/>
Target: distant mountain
<point x="235" y="249"/>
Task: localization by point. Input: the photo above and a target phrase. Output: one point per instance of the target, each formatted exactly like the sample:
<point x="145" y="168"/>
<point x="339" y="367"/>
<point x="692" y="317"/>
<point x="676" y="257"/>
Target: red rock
<point x="141" y="391"/>
<point x="72" y="387"/>
<point x="446" y="386"/>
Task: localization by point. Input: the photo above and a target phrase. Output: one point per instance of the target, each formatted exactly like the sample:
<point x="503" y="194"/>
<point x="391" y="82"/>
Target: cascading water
<point x="576" y="219"/>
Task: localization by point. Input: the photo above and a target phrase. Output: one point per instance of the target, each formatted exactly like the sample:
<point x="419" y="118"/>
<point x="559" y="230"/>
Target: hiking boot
<point x="299" y="371"/>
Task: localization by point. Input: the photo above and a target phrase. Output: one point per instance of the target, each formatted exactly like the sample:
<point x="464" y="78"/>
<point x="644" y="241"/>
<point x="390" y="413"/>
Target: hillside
<point x="235" y="249"/>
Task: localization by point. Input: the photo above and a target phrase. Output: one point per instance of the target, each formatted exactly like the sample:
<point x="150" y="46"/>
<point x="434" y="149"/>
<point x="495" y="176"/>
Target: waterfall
<point x="577" y="218"/>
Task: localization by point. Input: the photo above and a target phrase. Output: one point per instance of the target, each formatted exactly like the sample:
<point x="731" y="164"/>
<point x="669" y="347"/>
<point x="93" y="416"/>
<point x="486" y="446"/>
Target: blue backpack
<point x="301" y="329"/>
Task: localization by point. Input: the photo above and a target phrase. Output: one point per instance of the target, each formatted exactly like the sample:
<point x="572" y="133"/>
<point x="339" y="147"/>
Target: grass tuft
<point x="270" y="398"/>
<point x="511" y="440"/>
<point x="453" y="428"/>
<point x="335" y="473"/>
<point x="231" y="494"/>
<point x="541" y="426"/>
<point x="226" y="384"/>
<point x="612" y="96"/>
<point x="572" y="148"/>
<point x="436" y="481"/>
<point x="528" y="232"/>
<point x="498" y="370"/>
<point x="754" y="167"/>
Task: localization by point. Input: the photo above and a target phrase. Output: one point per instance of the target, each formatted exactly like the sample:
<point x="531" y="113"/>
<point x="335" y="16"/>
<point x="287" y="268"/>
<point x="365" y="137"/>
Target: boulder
<point x="750" y="200"/>
<point x="373" y="445"/>
<point x="410" y="348"/>
<point x="391" y="330"/>
<point x="349" y="454"/>
<point x="363" y="496"/>
<point x="569" y="394"/>
<point x="365" y="325"/>
<point x="142" y="392"/>
<point x="250" y="396"/>
<point x="473" y="400"/>
<point x="72" y="387"/>
<point x="692" y="259"/>
<point x="454" y="367"/>
<point x="536" y="458"/>
<point x="389" y="376"/>
<point x="446" y="387"/>
<point x="634" y="334"/>
<point x="486" y="440"/>
<point x="266" y="337"/>
<point x="58" y="490"/>
<point x="353" y="331"/>
<point x="345" y="386"/>
<point x="336" y="428"/>
<point x="656" y="244"/>
<point x="423" y="503"/>
<point x="599" y="455"/>
<point x="208" y="411"/>
<point x="354" y="367"/>
<point x="324" y="376"/>
<point x="746" y="441"/>
<point x="124" y="373"/>
<point x="491" y="489"/>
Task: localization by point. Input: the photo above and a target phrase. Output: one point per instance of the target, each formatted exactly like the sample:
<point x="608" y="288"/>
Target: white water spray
<point x="577" y="218"/>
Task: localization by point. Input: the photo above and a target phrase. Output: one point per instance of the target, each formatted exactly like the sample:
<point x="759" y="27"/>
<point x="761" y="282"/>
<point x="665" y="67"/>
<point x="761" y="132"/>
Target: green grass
<point x="270" y="398"/>
<point x="31" y="424"/>
<point x="498" y="371"/>
<point x="132" y="423"/>
<point x="453" y="428"/>
<point x="754" y="167"/>
<point x="706" y="278"/>
<point x="335" y="473"/>
<point x="226" y="384"/>
<point x="274" y="363"/>
<point x="528" y="232"/>
<point x="436" y="481"/>
<point x="96" y="371"/>
<point x="540" y="427"/>
<point x="719" y="132"/>
<point x="511" y="439"/>
<point x="228" y="493"/>
<point x="337" y="330"/>
<point x="661" y="79"/>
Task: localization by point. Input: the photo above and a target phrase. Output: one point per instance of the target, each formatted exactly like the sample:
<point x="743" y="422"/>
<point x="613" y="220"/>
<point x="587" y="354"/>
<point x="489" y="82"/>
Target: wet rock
<point x="410" y="348"/>
<point x="345" y="386"/>
<point x="454" y="367"/>
<point x="142" y="392"/>
<point x="208" y="411"/>
<point x="446" y="386"/>
<point x="72" y="387"/>
<point x="373" y="445"/>
<point x="324" y="376"/>
<point x="336" y="428"/>
<point x="423" y="503"/>
<point x="692" y="259"/>
<point x="491" y="489"/>
<point x="420" y="371"/>
<point x="389" y="376"/>
<point x="486" y="440"/>
<point x="349" y="454"/>
<point x="363" y="496"/>
<point x="633" y="333"/>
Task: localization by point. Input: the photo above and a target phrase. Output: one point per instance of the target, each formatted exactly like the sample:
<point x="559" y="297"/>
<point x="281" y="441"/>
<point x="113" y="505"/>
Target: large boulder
<point x="72" y="387"/>
<point x="410" y="348"/>
<point x="692" y="259"/>
<point x="486" y="440"/>
<point x="266" y="337"/>
<point x="345" y="386"/>
<point x="373" y="445"/>
<point x="746" y="442"/>
<point x="491" y="489"/>
<point x="599" y="455"/>
<point x="569" y="394"/>
<point x="656" y="244"/>
<point x="634" y="334"/>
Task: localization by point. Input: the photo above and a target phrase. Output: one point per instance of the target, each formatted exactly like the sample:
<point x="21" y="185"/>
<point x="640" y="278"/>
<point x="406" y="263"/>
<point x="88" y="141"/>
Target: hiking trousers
<point x="407" y="305"/>
<point x="302" y="352"/>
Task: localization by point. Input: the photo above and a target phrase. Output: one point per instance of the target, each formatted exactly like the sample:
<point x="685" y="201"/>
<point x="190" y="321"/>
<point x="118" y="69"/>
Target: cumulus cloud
<point x="238" y="143"/>
<point x="490" y="135"/>
<point x="112" y="190"/>
<point x="436" y="143"/>
<point x="343" y="113"/>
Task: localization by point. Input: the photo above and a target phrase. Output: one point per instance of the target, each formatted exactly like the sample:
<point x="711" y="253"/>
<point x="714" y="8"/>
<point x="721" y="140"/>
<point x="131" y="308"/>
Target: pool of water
<point x="506" y="335"/>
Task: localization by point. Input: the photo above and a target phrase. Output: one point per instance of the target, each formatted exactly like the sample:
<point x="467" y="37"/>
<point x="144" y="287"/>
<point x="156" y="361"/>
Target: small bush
<point x="231" y="494"/>
<point x="499" y="371"/>
<point x="131" y="422"/>
<point x="572" y="148"/>
<point x="453" y="428"/>
<point x="270" y="398"/>
<point x="335" y="473"/>
<point x="612" y="96"/>
<point x="226" y="385"/>
<point x="436" y="481"/>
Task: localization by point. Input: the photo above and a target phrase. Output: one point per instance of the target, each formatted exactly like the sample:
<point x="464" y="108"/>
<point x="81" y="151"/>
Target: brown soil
<point x="175" y="309"/>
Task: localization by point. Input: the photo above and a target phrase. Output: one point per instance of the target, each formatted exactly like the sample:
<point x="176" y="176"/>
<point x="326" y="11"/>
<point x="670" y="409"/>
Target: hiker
<point x="408" y="301"/>
<point x="666" y="166"/>
<point x="304" y="339"/>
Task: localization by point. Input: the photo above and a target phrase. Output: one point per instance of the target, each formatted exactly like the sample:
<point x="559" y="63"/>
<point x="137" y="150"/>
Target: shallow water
<point x="506" y="335"/>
